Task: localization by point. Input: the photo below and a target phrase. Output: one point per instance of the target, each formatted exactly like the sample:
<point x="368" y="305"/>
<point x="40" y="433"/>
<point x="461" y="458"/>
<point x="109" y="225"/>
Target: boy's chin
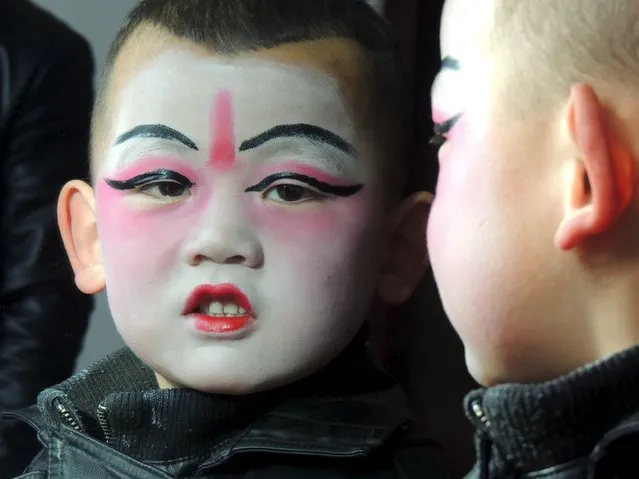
<point x="486" y="371"/>
<point x="230" y="387"/>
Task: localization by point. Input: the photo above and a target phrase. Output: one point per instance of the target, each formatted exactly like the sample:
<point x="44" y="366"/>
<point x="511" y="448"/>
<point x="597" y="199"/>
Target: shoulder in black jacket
<point x="111" y="421"/>
<point x="46" y="95"/>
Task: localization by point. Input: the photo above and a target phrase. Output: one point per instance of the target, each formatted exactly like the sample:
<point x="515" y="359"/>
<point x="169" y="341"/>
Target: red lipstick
<point x="219" y="309"/>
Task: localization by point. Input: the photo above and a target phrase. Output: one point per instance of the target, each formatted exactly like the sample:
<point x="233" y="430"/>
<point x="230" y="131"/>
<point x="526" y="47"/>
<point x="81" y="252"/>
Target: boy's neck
<point x="164" y="383"/>
<point x="613" y="319"/>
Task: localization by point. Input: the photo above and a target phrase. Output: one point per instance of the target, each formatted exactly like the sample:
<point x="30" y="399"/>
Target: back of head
<point x="533" y="232"/>
<point x="547" y="46"/>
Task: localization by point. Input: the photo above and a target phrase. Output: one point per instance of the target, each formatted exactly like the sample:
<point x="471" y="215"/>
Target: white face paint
<point x="280" y="233"/>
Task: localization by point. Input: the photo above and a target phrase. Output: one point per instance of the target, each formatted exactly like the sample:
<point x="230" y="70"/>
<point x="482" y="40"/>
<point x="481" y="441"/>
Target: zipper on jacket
<point x="104" y="423"/>
<point x="479" y="413"/>
<point x="484" y="439"/>
<point x="66" y="416"/>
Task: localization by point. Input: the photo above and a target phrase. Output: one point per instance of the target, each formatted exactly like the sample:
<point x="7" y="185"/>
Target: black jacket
<point x="584" y="425"/>
<point x="46" y="93"/>
<point x="111" y="421"/>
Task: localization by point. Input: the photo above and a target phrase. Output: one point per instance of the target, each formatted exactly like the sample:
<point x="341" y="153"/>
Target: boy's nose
<point x="246" y="253"/>
<point x="225" y="240"/>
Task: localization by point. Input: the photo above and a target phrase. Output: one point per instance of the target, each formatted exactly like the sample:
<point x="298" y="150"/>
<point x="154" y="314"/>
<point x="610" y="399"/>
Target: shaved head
<point x="536" y="114"/>
<point x="548" y="45"/>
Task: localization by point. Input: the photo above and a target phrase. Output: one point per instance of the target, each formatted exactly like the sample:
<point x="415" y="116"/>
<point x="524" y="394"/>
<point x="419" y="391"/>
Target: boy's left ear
<point x="407" y="254"/>
<point x="78" y="226"/>
<point x="600" y="183"/>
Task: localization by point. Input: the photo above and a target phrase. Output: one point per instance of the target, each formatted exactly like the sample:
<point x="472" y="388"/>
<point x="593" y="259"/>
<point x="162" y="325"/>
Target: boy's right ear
<point x="78" y="226"/>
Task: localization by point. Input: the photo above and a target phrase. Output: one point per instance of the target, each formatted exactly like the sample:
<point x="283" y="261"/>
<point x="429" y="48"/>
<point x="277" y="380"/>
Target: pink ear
<point x="603" y="181"/>
<point x="77" y="223"/>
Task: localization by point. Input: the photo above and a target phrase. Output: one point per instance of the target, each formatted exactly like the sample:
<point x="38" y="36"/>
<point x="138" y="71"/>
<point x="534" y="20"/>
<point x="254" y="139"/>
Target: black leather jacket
<point x="616" y="456"/>
<point x="46" y="93"/>
<point x="111" y="421"/>
<point x="583" y="425"/>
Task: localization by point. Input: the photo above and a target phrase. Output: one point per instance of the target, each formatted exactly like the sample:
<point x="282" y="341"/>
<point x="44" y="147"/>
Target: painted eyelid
<point x="150" y="178"/>
<point x="152" y="163"/>
<point x="271" y="181"/>
<point x="185" y="181"/>
<point x="306" y="180"/>
<point x="320" y="187"/>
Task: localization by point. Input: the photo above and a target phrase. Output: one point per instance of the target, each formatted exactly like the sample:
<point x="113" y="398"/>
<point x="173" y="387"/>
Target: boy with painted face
<point x="245" y="211"/>
<point x="534" y="232"/>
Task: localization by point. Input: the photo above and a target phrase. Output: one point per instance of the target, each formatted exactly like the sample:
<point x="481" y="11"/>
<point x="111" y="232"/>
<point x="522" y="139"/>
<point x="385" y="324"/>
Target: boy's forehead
<point x="466" y="25"/>
<point x="332" y="63"/>
<point x="327" y="75"/>
<point x="470" y="59"/>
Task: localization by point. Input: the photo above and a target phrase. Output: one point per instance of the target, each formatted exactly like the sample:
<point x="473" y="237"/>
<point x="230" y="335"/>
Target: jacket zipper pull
<point x="479" y="413"/>
<point x="67" y="416"/>
<point x="484" y="441"/>
<point x="104" y="422"/>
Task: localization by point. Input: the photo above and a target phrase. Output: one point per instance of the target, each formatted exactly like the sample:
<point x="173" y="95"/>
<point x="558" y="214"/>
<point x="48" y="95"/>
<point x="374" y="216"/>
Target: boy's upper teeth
<point x="218" y="308"/>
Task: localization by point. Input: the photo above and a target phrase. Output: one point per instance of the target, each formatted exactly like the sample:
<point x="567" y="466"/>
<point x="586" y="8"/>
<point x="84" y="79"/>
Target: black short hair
<point x="236" y="26"/>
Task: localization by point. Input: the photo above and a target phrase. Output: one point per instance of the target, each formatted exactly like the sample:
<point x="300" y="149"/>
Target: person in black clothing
<point x="533" y="232"/>
<point x="247" y="214"/>
<point x="46" y="95"/>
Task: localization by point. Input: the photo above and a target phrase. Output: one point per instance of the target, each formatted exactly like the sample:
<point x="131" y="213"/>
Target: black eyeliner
<point x="440" y="130"/>
<point x="445" y="126"/>
<point x="151" y="177"/>
<point x="343" y="191"/>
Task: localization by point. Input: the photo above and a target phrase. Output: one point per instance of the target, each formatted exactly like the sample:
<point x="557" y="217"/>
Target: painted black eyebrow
<point x="450" y="63"/>
<point x="300" y="130"/>
<point x="156" y="131"/>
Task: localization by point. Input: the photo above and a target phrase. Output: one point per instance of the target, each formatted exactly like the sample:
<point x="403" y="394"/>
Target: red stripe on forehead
<point x="222" y="131"/>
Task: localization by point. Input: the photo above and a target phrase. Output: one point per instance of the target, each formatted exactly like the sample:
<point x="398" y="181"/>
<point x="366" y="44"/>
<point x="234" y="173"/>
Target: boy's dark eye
<point x="290" y="193"/>
<point x="170" y="188"/>
<point x="165" y="189"/>
<point x="161" y="184"/>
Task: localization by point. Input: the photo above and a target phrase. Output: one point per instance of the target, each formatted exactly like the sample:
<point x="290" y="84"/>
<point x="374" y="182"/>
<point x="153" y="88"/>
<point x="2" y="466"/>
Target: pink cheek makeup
<point x="135" y="238"/>
<point x="154" y="229"/>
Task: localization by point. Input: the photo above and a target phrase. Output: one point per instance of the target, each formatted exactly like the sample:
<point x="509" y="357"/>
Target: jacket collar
<point x="348" y="409"/>
<point x="572" y="422"/>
